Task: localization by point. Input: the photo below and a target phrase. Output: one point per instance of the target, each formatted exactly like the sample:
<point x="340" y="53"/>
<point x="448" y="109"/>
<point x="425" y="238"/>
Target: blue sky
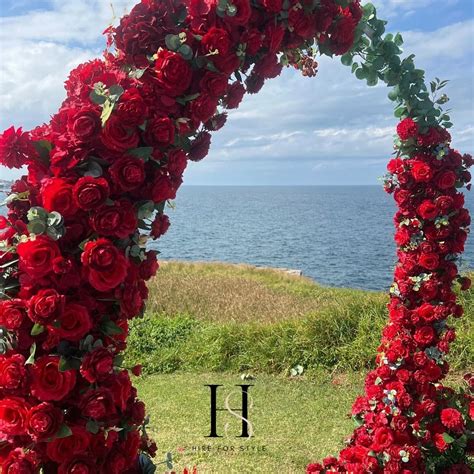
<point x="331" y="129"/>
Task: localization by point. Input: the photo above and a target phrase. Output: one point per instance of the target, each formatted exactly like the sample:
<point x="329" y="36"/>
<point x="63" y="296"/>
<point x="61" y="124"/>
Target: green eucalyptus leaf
<point x="63" y="432"/>
<point x="37" y="329"/>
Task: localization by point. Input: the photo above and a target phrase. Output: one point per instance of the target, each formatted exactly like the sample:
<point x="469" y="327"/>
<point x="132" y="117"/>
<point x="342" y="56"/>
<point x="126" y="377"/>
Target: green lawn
<point x="210" y="323"/>
<point x="295" y="421"/>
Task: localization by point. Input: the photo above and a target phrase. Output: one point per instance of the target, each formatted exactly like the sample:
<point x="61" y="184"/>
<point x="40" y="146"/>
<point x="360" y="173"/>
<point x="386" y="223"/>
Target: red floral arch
<point x="73" y="257"/>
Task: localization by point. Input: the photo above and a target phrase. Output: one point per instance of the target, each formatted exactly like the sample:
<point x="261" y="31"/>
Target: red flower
<point x="421" y="171"/>
<point x="58" y="196"/>
<point x="104" y="266"/>
<point x="43" y="421"/>
<point x="430" y="261"/>
<point x="127" y="173"/>
<point x="119" y="220"/>
<point x="13" y="413"/>
<point x="427" y="209"/>
<point x="200" y="146"/>
<point x="97" y="365"/>
<point x="216" y="40"/>
<point x="84" y="124"/>
<point x="118" y="136"/>
<point x="173" y="73"/>
<point x="82" y="464"/>
<point x="16" y="148"/>
<point x="74" y="322"/>
<point x="63" y="449"/>
<point x="48" y="382"/>
<point x="13" y="377"/>
<point x="37" y="256"/>
<point x="163" y="189"/>
<point x="160" y="226"/>
<point x="424" y="336"/>
<point x="46" y="306"/>
<point x="90" y="193"/>
<point x="383" y="438"/>
<point x="452" y="419"/>
<point x="446" y="180"/>
<point x="407" y="129"/>
<point x="160" y="131"/>
<point x="12" y="313"/>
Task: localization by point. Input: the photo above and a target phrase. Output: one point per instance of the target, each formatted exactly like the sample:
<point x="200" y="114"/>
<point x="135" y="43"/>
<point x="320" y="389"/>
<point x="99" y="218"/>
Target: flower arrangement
<point x="73" y="245"/>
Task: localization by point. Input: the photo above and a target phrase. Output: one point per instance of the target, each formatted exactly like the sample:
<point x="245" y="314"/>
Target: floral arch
<point x="73" y="256"/>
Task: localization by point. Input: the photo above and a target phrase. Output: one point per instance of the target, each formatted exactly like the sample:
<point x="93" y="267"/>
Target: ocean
<point x="337" y="235"/>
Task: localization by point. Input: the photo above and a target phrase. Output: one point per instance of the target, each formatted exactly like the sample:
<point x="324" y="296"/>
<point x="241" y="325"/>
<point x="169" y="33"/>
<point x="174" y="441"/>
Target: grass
<point x="208" y="323"/>
<point x="219" y="317"/>
<point x="295" y="421"/>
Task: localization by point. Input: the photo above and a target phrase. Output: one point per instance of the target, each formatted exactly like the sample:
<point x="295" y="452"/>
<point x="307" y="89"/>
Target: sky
<point x="330" y="129"/>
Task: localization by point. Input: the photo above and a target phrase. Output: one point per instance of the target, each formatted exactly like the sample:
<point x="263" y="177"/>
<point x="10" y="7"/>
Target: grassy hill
<point x="218" y="317"/>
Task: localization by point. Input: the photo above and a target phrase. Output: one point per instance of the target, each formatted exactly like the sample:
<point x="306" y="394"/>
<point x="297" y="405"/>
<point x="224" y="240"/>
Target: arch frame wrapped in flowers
<point x="73" y="245"/>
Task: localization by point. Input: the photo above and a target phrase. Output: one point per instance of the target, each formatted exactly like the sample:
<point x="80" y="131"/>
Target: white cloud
<point x="79" y="21"/>
<point x="333" y="118"/>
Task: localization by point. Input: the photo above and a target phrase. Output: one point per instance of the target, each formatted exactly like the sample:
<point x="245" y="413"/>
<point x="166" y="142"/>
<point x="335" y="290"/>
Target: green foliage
<point x="376" y="56"/>
<point x="341" y="336"/>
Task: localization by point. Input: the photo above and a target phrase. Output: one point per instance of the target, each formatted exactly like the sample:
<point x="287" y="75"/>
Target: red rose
<point x="43" y="421"/>
<point x="48" y="382"/>
<point x="427" y="209"/>
<point x="452" y="419"/>
<point x="407" y="128"/>
<point x="203" y="108"/>
<point x="104" y="266"/>
<point x="84" y="125"/>
<point x="213" y="84"/>
<point x="13" y="413"/>
<point x="37" y="255"/>
<point x="163" y="189"/>
<point x="97" y="365"/>
<point x="160" y="226"/>
<point x="119" y="137"/>
<point x="303" y="25"/>
<point x="121" y="388"/>
<point x="402" y="236"/>
<point x="90" y="193"/>
<point x="63" y="449"/>
<point x="215" y="40"/>
<point x="13" y="376"/>
<point x="176" y="163"/>
<point x="19" y="462"/>
<point x="383" y="438"/>
<point x="46" y="306"/>
<point x="424" y="336"/>
<point x="75" y="322"/>
<point x="421" y="171"/>
<point x="173" y="72"/>
<point x="16" y="148"/>
<point x="235" y="94"/>
<point x="132" y="109"/>
<point x="57" y="196"/>
<point x="97" y="404"/>
<point x="430" y="261"/>
<point x="440" y="443"/>
<point x="160" y="131"/>
<point x="80" y="464"/>
<point x="273" y="37"/>
<point x="12" y="313"/>
<point x="200" y="146"/>
<point x="446" y="180"/>
<point x="127" y="173"/>
<point x="119" y="220"/>
<point x="149" y="267"/>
